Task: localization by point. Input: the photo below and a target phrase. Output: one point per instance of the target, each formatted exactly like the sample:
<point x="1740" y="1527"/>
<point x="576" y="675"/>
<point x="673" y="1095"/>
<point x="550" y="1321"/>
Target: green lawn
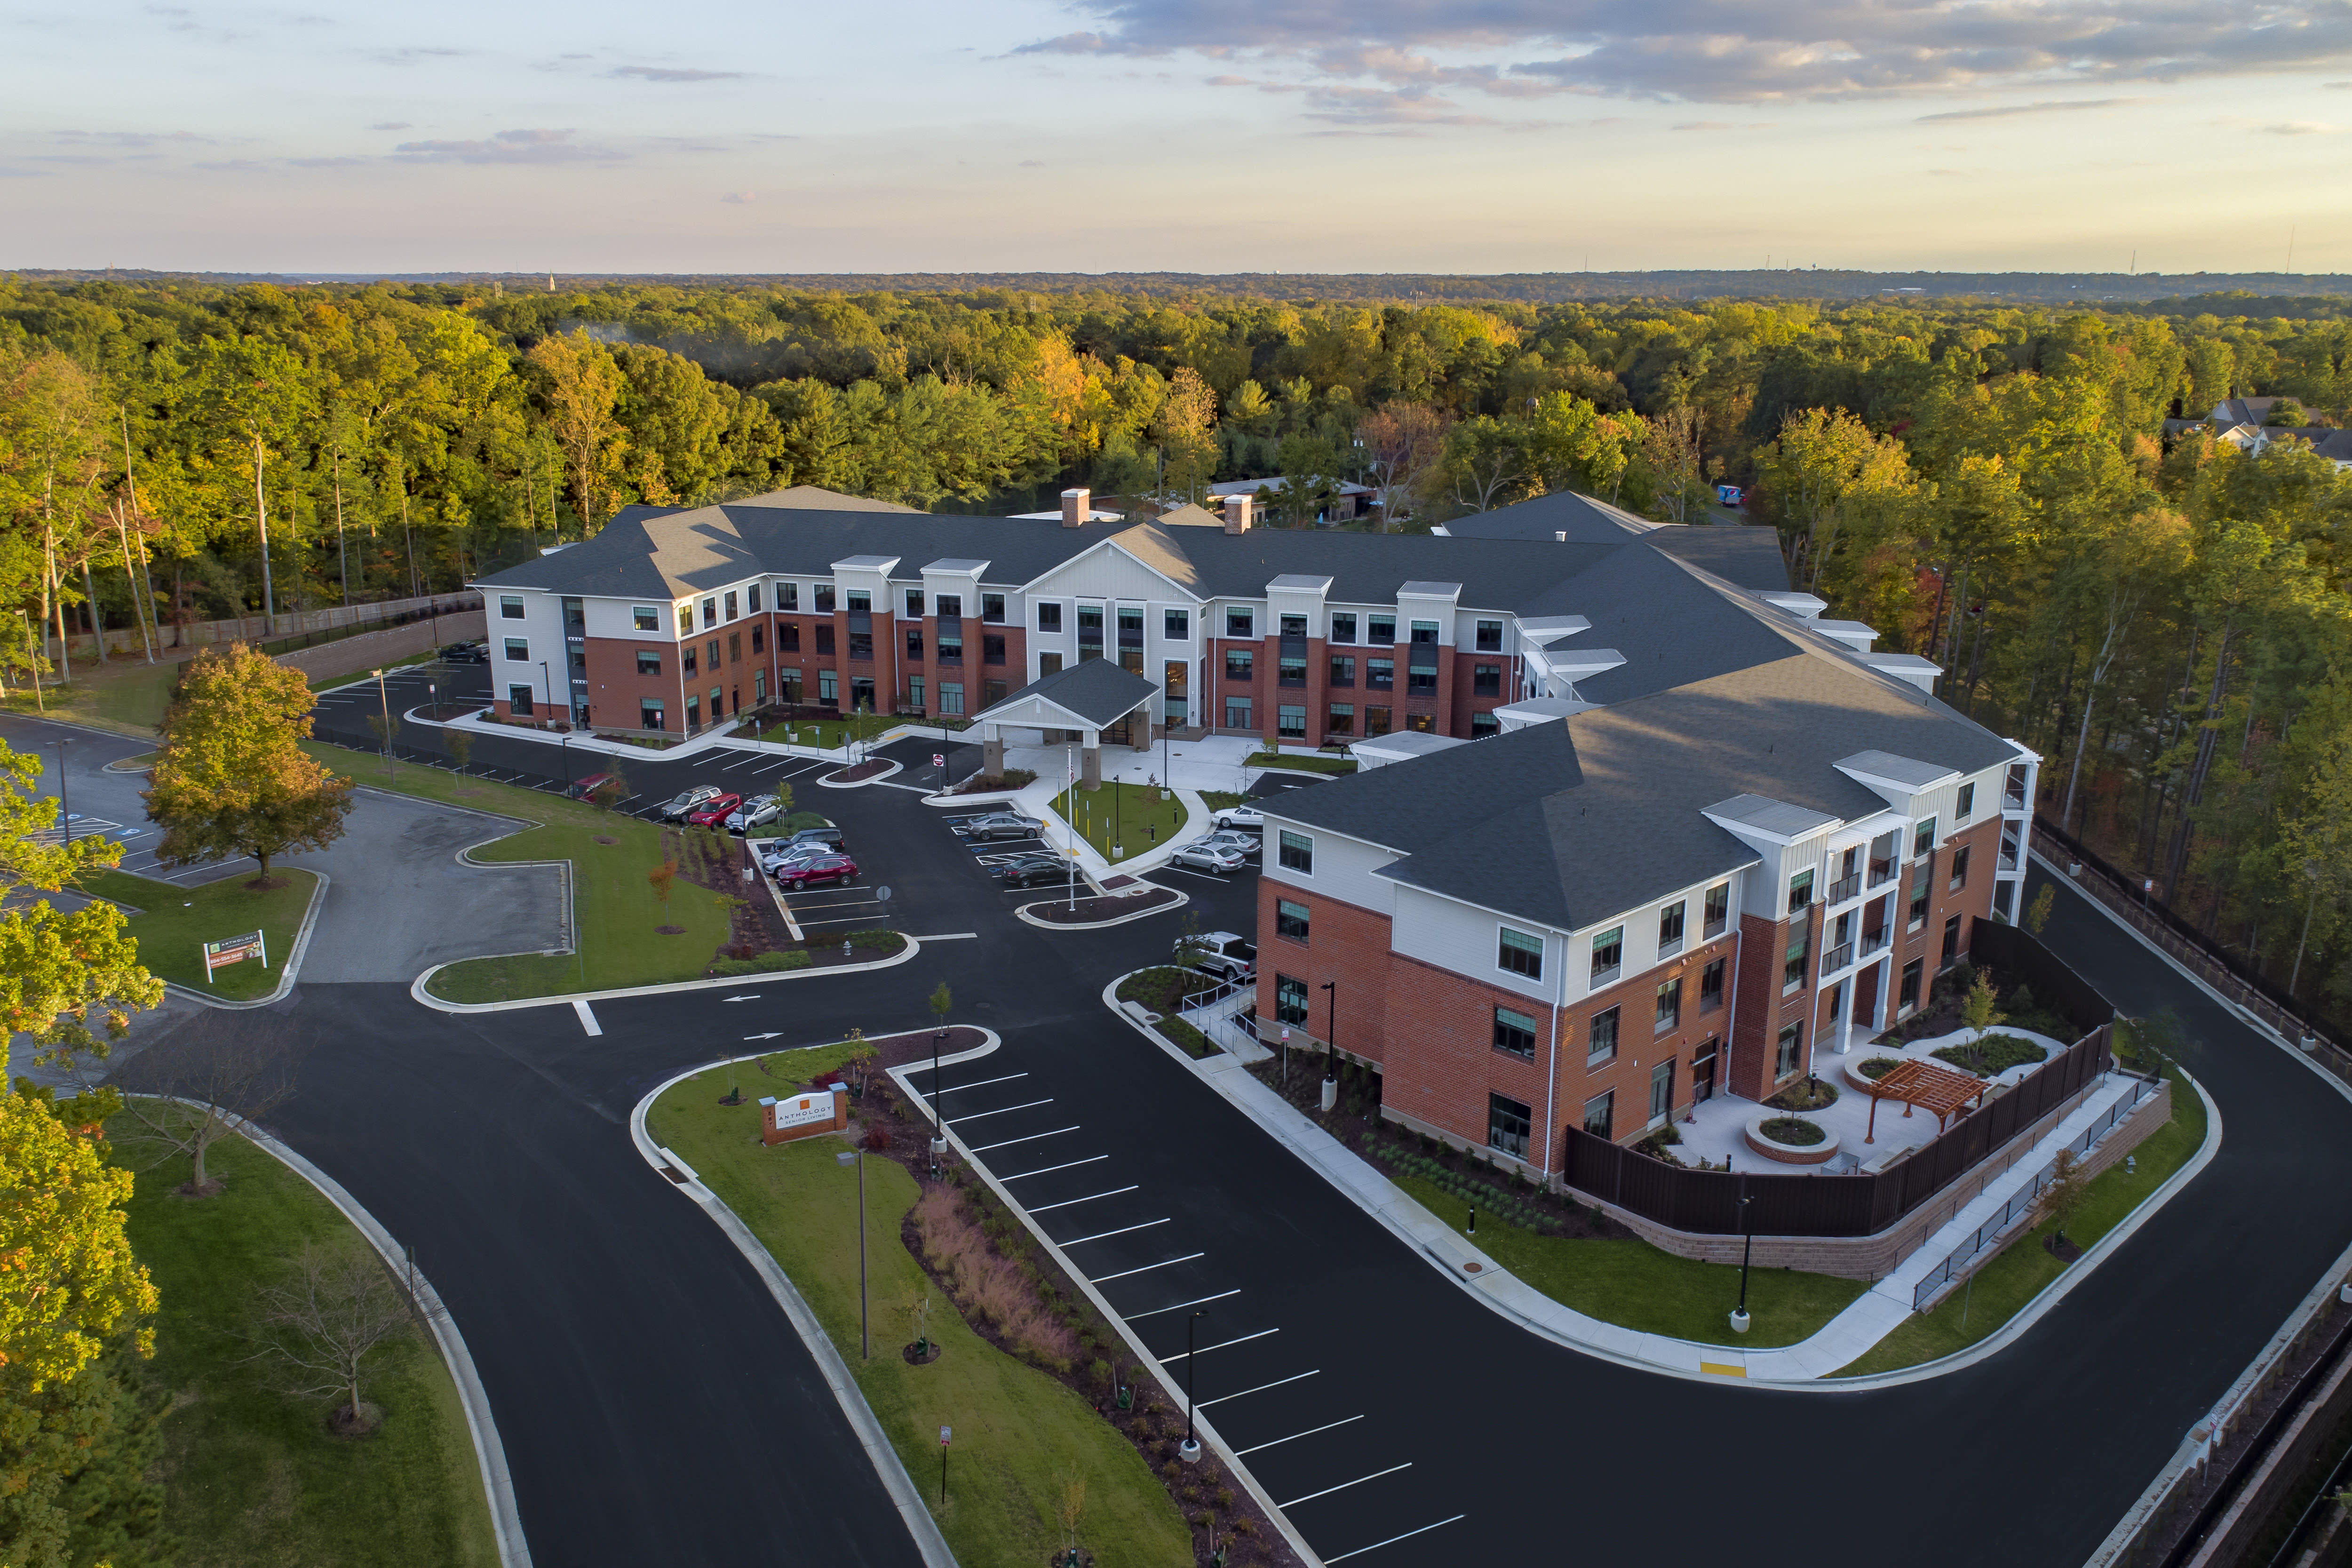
<point x="1302" y="763"/>
<point x="126" y="693"/>
<point x="1018" y="1432"/>
<point x="827" y="735"/>
<point x="1635" y="1285"/>
<point x="175" y="922"/>
<point x="2003" y="1288"/>
<point x="616" y="905"/>
<point x="1124" y="808"/>
<point x="251" y="1477"/>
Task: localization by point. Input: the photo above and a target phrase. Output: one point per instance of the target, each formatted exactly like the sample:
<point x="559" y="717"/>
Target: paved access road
<point x="655" y="1408"/>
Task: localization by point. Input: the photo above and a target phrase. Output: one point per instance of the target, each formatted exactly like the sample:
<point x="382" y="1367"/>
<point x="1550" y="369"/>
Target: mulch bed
<point x="714" y="862"/>
<point x="891" y="1129"/>
<point x="866" y="770"/>
<point x="1059" y="913"/>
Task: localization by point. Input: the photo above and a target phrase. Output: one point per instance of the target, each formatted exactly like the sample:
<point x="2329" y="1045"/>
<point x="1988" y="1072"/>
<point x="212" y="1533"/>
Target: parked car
<point x="757" y="812"/>
<point x="1239" y="816"/>
<point x="1032" y="871"/>
<point x="714" y="812"/>
<point x="464" y="653"/>
<point x="775" y="852"/>
<point x="1239" y="840"/>
<point x="1002" y="825"/>
<point x="1202" y="856"/>
<point x="1222" y="953"/>
<point x="685" y="800"/>
<point x="828" y="837"/>
<point x="799" y="874"/>
<point x="585" y="789"/>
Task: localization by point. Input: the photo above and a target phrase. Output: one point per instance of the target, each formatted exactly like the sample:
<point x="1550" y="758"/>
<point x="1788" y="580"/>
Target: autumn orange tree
<point x="231" y="777"/>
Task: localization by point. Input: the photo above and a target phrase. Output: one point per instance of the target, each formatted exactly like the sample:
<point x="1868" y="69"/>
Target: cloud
<point x="2302" y="128"/>
<point x="527" y="146"/>
<point x="1729" y="52"/>
<point x="325" y="163"/>
<point x="1343" y="105"/>
<point x="667" y="73"/>
<point x="1230" y="81"/>
<point x="2004" y="111"/>
<point x="1033" y="162"/>
<point x="412" y="56"/>
<point x="389" y="125"/>
<point x="739" y="198"/>
<point x="1722" y="125"/>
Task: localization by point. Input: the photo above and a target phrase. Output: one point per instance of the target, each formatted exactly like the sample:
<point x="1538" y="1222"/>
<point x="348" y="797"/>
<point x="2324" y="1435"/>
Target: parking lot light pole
<point x="1331" y="1048"/>
<point x="1189" y="1449"/>
<point x="1746" y="1251"/>
<point x="384" y="702"/>
<point x="65" y="801"/>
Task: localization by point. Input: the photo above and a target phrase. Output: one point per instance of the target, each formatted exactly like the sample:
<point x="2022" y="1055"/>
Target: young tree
<point x="323" y="1324"/>
<point x="663" y="877"/>
<point x="231" y="778"/>
<point x="2037" y="913"/>
<point x="580" y="386"/>
<point x="1979" y="1010"/>
<point x="1488" y="459"/>
<point x="942" y="1003"/>
<point x="194" y="1089"/>
<point x="1401" y="442"/>
<point x="459" y="744"/>
<point x="2062" y="1200"/>
<point x="1187" y="427"/>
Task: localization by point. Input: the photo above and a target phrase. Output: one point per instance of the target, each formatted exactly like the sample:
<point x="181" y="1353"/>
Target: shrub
<point x="1876" y="1068"/>
<point x="886" y="942"/>
<point x="1792" y="1129"/>
<point x="1992" y="1055"/>
<point x="765" y="963"/>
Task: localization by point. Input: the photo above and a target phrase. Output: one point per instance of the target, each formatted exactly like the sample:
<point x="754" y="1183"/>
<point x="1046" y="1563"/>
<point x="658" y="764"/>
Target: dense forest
<point x="1988" y="483"/>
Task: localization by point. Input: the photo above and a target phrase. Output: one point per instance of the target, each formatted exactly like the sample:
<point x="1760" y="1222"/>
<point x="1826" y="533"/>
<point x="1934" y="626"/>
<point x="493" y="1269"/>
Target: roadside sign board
<point x="236" y="950"/>
<point x="938" y="759"/>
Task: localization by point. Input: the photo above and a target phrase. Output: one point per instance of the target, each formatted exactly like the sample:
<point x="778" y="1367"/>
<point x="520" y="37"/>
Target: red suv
<point x="714" y="812"/>
<point x="819" y="868"/>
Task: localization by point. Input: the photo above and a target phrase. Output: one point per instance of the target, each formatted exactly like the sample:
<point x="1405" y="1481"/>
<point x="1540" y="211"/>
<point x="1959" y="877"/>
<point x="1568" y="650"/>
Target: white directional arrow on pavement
<point x="763" y="1037"/>
<point x="754" y="997"/>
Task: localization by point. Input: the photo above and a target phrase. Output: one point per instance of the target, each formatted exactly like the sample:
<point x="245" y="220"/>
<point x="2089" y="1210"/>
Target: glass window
<point x="518" y="700"/>
<point x="1289" y="1000"/>
<point x="734" y="647"/>
<point x="1670" y="1006"/>
<point x="1710" y="986"/>
<point x="1343" y="629"/>
<point x="687" y="659"/>
<point x="1290" y="920"/>
<point x="751" y="599"/>
<point x="644" y="617"/>
<point x="1906" y="997"/>
<point x="914" y="604"/>
<point x="1966" y="804"/>
<point x="731" y="610"/>
<point x="1507" y="1123"/>
<point x="1340" y="718"/>
<point x="914" y="690"/>
<point x="1424" y="632"/>
<point x="1240" y="663"/>
<point x="710" y="612"/>
<point x="1793" y="1041"/>
<point x="1951" y="941"/>
<point x="649" y="661"/>
<point x="1417" y="678"/>
<point x="1297" y="852"/>
<point x="993" y="693"/>
<point x="860" y="602"/>
<point x="1343" y="670"/>
<point x="1379" y="674"/>
<point x="1490" y="637"/>
<point x="693" y="714"/>
<point x="788" y="638"/>
<point x="1597" y="1113"/>
<point x="1294" y="626"/>
<point x="1792" y="967"/>
<point x="951" y="604"/>
<point x="1520" y="953"/>
<point x="952" y="697"/>
<point x="1176" y="625"/>
<point x="788" y="595"/>
<point x="828" y="687"/>
<point x="1801" y="892"/>
<point x="1049" y="618"/>
<point x="1483" y="723"/>
<point x="1237" y="713"/>
<point x="1376" y="721"/>
<point x="510" y="606"/>
<point x="1291" y="722"/>
<point x="1662" y="1091"/>
<point x="1515" y="1033"/>
<point x="915" y="642"/>
<point x="713" y="647"/>
<point x="1921" y="872"/>
<point x="1608" y="952"/>
<point x="1602" y="1045"/>
<point x="1486" y="680"/>
<point x="519" y="650"/>
<point x="1238" y="623"/>
<point x="991" y="649"/>
<point x="1382" y="628"/>
<point x="992" y="608"/>
<point x="1290" y="670"/>
<point x="1959" y="868"/>
<point x="1670" y="927"/>
<point x="1923" y="837"/>
<point x="649" y="713"/>
<point x="686" y="620"/>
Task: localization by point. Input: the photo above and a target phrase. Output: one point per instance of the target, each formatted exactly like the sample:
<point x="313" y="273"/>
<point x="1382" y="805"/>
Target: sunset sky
<point x="1198" y="135"/>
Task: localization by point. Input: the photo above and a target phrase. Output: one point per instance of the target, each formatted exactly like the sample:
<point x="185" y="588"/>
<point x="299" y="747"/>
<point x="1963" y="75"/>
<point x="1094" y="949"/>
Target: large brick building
<point x="1689" y="859"/>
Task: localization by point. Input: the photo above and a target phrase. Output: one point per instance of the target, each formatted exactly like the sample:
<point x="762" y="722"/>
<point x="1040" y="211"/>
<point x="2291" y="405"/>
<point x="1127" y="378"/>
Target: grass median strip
<point x="1020" y="1434"/>
<point x="252" y="1475"/>
<point x="1121" y="815"/>
<point x="617" y="908"/>
<point x="174" y="922"/>
<point x="1630" y="1283"/>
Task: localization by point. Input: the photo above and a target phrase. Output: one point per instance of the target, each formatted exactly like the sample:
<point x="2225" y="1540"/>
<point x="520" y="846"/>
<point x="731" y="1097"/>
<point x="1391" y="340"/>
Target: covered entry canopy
<point x="1092" y="694"/>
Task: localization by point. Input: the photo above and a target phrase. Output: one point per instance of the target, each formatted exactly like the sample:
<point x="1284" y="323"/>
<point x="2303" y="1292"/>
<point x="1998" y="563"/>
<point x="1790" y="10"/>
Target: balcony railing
<point x="2013" y="797"/>
<point x="1846" y="887"/>
<point x="1876" y="941"/>
<point x="1837" y="958"/>
<point x="1881" y="871"/>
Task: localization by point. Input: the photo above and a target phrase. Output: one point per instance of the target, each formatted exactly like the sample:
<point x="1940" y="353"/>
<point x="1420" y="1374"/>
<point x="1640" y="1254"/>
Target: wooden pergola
<point x="1927" y="1086"/>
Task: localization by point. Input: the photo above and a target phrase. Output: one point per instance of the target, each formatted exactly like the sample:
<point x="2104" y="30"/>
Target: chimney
<point x="1237" y="513"/>
<point x="1077" y="506"/>
<point x="1561" y="536"/>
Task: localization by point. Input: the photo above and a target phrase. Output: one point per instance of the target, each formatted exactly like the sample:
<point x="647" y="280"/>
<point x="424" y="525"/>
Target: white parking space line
<point x="746" y="763"/>
<point x="1180" y="1306"/>
<point x="587" y="1016"/>
<point x="1393" y="1540"/>
<point x="983" y="1083"/>
<point x="1103" y="1235"/>
<point x="1105" y="1279"/>
<point x="1204" y="876"/>
<point x="1048" y="1169"/>
<point x="1221" y="1344"/>
<point x="1277" y="1442"/>
<point x="1008" y="1143"/>
<point x="1261" y="1388"/>
<point x="1069" y="1203"/>
<point x="1004" y="1111"/>
<point x="1343" y="1486"/>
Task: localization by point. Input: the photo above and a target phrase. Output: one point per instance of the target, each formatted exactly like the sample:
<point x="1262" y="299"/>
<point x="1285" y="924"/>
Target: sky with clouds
<point x="1194" y="135"/>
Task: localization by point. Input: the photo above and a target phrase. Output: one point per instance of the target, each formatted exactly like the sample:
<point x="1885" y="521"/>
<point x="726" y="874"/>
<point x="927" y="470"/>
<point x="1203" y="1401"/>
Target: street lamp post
<point x="939" y="1118"/>
<point x="65" y="801"/>
<point x="1331" y="1048"/>
<point x="1746" y="1251"/>
<point x="865" y="1333"/>
<point x="384" y="702"/>
<point x="1189" y="1449"/>
<point x="546" y="687"/>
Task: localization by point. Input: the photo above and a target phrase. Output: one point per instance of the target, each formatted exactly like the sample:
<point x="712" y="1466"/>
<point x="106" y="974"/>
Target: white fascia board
<point x="1897" y="795"/>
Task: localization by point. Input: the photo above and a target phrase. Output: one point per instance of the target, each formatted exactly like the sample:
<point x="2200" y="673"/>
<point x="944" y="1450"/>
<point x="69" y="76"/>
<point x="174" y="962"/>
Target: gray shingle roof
<point x="1096" y="690"/>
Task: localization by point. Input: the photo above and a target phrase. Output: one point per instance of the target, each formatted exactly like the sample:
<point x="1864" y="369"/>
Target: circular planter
<point x="1853" y="1069"/>
<point x="1789" y="1153"/>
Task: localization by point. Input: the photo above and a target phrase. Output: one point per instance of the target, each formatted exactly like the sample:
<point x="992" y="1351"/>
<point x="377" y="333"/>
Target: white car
<point x="1221" y="953"/>
<point x="757" y="812"/>
<point x="776" y="853"/>
<point x="1240" y="816"/>
<point x="1241" y="841"/>
<point x="1222" y="858"/>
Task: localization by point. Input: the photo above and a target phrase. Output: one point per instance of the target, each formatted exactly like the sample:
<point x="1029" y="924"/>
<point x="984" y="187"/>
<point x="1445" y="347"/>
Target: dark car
<point x="1032" y="871"/>
<point x="464" y="653"/>
<point x="1002" y="825"/>
<point x="585" y="789"/>
<point x="829" y="836"/>
<point x="714" y="812"/>
<point x="685" y="800"/>
<point x="819" y="868"/>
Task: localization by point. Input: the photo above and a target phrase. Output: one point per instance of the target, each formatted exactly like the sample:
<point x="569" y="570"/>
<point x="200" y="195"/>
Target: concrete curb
<point x="860" y="783"/>
<point x="489" y="1453"/>
<point x="1203" y="1427"/>
<point x="416" y="987"/>
<point x="288" y="970"/>
<point x="1025" y="918"/>
<point x="835" y="1371"/>
<point x="1362" y="1182"/>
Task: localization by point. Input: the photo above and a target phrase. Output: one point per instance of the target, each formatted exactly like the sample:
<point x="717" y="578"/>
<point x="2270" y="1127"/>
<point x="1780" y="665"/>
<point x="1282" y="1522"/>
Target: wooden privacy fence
<point x="292" y="627"/>
<point x="1707" y="1201"/>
